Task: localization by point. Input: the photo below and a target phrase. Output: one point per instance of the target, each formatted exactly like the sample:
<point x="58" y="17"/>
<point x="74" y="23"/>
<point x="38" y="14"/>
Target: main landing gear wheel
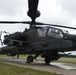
<point x="30" y="59"/>
<point x="47" y="60"/>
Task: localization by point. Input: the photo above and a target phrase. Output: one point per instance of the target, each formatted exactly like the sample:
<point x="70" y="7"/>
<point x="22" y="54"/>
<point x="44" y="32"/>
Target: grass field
<point x="6" y="69"/>
<point x="5" y="56"/>
<point x="67" y="60"/>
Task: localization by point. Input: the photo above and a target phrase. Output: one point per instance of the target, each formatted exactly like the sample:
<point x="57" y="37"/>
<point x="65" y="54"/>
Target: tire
<point x="29" y="59"/>
<point x="47" y="60"/>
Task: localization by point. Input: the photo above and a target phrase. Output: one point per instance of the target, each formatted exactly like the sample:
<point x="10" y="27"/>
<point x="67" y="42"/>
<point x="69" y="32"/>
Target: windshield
<point x="55" y="33"/>
<point x="65" y="31"/>
<point x="42" y="32"/>
<point x="49" y="31"/>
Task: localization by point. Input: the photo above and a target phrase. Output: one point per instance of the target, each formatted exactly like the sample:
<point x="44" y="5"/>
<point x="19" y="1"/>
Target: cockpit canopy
<point x="50" y="31"/>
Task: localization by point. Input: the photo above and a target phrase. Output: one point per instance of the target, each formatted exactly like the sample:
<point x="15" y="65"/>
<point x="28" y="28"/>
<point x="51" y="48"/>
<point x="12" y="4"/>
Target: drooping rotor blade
<point x="13" y="22"/>
<point x="38" y="23"/>
<point x="32" y="12"/>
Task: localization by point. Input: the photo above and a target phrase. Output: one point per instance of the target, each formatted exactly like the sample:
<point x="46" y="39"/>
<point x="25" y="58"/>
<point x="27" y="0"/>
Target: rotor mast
<point x="33" y="13"/>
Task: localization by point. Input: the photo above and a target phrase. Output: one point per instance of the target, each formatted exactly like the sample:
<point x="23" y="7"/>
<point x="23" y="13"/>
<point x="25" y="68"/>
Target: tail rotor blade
<point x="1" y="42"/>
<point x="0" y="38"/>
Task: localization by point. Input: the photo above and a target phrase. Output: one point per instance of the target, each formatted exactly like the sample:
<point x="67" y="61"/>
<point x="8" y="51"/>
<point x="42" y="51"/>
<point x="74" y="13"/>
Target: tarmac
<point x="54" y="67"/>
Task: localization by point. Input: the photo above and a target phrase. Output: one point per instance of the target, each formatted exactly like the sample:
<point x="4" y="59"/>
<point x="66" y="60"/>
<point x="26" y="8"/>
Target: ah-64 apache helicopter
<point x="46" y="41"/>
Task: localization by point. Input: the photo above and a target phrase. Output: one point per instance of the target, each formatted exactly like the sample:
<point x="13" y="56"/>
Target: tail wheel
<point x="29" y="59"/>
<point x="47" y="60"/>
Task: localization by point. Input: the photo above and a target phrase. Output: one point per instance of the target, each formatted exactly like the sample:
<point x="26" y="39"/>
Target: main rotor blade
<point x="32" y="5"/>
<point x="12" y="22"/>
<point x="38" y="23"/>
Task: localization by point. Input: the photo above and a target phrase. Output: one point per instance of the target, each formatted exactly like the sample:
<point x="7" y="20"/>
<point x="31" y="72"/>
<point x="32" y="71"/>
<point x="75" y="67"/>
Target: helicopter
<point x="46" y="41"/>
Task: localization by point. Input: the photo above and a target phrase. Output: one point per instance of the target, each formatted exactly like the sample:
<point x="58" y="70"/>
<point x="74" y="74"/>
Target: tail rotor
<point x="0" y="38"/>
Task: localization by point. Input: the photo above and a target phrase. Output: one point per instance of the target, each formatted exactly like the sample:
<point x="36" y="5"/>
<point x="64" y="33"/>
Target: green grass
<point x="20" y="56"/>
<point x="67" y="60"/>
<point x="5" y="56"/>
<point x="6" y="69"/>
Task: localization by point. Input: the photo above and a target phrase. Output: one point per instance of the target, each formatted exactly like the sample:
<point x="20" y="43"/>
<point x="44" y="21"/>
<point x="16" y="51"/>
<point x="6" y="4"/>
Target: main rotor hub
<point x="33" y="16"/>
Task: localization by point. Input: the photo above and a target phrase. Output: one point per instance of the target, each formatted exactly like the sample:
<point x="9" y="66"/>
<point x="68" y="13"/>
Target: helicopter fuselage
<point x="44" y="41"/>
<point x="41" y="39"/>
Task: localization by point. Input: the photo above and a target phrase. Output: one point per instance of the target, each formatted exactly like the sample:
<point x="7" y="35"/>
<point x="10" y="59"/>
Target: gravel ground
<point x="40" y="66"/>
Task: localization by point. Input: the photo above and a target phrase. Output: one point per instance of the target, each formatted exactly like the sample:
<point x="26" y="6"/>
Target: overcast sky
<point x="61" y="12"/>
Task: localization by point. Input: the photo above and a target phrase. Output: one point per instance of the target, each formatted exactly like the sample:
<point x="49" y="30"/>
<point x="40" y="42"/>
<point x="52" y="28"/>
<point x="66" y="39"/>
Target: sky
<point x="62" y="12"/>
<point x="52" y="11"/>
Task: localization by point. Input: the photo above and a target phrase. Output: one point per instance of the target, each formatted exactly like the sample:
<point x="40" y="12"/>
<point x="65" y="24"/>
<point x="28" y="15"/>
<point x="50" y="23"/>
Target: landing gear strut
<point x="31" y="58"/>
